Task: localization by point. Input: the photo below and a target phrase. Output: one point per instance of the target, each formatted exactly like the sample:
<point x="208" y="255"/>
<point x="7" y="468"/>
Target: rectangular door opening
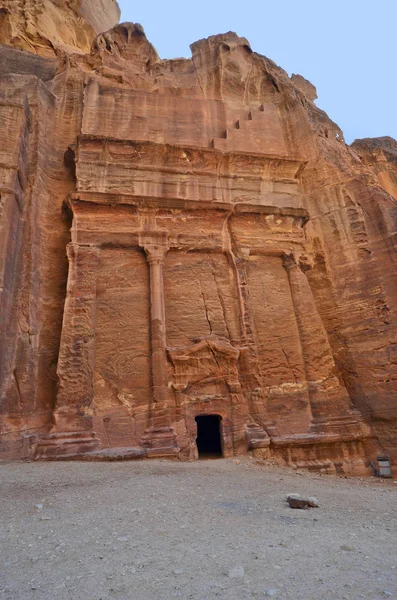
<point x="208" y="439"/>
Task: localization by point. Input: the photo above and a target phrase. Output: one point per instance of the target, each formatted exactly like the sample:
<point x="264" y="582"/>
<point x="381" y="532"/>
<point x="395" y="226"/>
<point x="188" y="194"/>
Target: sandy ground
<point x="158" y="530"/>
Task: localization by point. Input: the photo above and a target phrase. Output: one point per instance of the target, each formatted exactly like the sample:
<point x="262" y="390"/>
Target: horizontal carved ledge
<point x="112" y="200"/>
<point x="244" y="254"/>
<point x="190" y="159"/>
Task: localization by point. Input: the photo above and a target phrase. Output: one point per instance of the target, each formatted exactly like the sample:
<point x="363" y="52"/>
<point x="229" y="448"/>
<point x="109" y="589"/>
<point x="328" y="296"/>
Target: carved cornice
<point x="192" y="159"/>
<point x="95" y="198"/>
<point x="157" y="225"/>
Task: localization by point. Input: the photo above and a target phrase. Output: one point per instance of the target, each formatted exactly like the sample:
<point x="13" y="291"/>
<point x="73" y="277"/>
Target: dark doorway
<point x="209" y="436"/>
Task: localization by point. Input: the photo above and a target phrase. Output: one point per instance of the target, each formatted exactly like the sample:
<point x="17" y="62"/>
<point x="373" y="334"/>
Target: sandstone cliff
<point x="380" y="154"/>
<point x="189" y="237"/>
<point x="47" y="26"/>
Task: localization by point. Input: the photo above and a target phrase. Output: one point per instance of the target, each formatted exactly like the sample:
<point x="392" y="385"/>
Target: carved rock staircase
<point x="261" y="133"/>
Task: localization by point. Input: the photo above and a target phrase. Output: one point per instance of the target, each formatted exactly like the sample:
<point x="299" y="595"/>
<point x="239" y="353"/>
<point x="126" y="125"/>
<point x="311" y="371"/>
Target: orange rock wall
<point x="191" y="237"/>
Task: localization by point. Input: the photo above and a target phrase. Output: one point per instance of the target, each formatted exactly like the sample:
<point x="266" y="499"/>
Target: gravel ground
<point x="219" y="529"/>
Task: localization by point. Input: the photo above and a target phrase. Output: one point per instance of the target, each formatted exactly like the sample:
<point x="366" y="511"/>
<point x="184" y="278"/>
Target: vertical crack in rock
<point x="289" y="364"/>
<point x="205" y="307"/>
<point x="221" y="298"/>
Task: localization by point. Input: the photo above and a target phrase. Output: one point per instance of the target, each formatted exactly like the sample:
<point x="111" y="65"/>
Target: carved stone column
<point x="160" y="438"/>
<point x="329" y="400"/>
<point x="72" y="421"/>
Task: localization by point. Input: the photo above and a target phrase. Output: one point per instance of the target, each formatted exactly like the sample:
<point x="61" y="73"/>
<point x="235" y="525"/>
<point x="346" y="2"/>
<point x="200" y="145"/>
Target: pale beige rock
<point x="47" y="26"/>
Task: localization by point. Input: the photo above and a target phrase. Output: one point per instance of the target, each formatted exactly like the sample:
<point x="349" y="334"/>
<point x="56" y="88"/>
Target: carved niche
<point x="206" y="368"/>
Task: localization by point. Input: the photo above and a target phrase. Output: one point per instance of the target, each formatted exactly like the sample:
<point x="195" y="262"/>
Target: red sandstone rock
<point x="183" y="238"/>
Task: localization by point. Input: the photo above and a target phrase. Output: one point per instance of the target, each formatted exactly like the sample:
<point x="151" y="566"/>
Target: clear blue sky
<point x="347" y="49"/>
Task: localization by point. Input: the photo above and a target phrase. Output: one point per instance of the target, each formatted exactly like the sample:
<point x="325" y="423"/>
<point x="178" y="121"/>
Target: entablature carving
<point x="244" y="229"/>
<point x="144" y="169"/>
<point x="171" y="158"/>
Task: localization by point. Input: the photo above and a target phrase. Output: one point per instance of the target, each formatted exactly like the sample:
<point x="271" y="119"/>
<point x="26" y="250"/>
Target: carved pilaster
<point x="72" y="428"/>
<point x="329" y="399"/>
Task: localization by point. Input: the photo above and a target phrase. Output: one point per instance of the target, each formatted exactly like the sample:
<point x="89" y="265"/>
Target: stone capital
<point x="155" y="245"/>
<point x="155" y="255"/>
<point x="304" y="261"/>
<point x="289" y="261"/>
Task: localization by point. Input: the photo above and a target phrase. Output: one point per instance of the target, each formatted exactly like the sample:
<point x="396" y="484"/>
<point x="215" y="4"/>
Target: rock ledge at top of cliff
<point x="45" y="27"/>
<point x="376" y="146"/>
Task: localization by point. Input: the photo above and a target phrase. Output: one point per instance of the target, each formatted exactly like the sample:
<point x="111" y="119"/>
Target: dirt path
<point x="209" y="530"/>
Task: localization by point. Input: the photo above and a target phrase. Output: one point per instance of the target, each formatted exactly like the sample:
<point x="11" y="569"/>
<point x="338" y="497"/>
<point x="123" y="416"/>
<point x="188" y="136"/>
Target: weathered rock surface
<point x="184" y="238"/>
<point x="380" y="154"/>
<point x="49" y="26"/>
<point x="302" y="502"/>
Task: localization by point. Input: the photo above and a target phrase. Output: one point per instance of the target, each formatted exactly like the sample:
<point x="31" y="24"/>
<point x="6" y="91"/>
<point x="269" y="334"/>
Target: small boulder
<point x="298" y="501"/>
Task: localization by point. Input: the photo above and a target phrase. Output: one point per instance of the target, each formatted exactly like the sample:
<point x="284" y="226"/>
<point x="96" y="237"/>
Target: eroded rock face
<point x="191" y="238"/>
<point x="380" y="154"/>
<point x="47" y="26"/>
